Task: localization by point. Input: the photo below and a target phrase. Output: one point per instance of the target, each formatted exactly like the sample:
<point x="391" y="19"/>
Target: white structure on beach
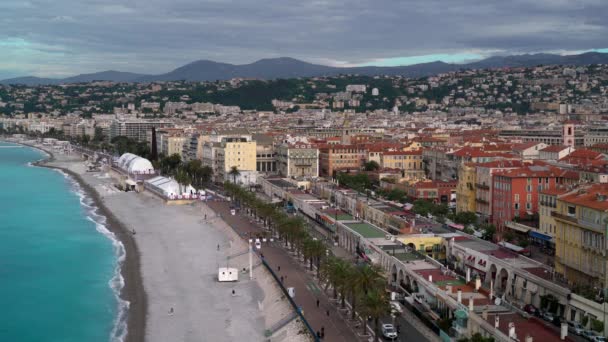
<point x="168" y="187"/>
<point x="134" y="164"/>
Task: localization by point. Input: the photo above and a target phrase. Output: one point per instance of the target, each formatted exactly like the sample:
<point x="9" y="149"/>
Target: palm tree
<point x="363" y="279"/>
<point x="234" y="172"/>
<point x="182" y="178"/>
<point x="375" y="304"/>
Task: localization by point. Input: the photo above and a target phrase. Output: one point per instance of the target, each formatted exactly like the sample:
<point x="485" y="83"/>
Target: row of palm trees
<point x="185" y="173"/>
<point x="363" y="285"/>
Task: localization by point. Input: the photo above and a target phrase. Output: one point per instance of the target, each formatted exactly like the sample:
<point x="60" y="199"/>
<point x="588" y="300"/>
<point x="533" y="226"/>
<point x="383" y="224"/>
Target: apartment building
<point x="298" y="160"/>
<point x="409" y="162"/>
<point x="580" y="218"/>
<point x="237" y="152"/>
<point x="483" y="181"/>
<point x="333" y="158"/>
<point x="136" y="129"/>
<point x="515" y="192"/>
<point x="465" y="190"/>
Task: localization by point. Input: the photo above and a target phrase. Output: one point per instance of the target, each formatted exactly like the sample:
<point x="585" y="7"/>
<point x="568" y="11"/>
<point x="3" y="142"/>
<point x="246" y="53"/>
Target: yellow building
<point x="236" y="152"/>
<point x="409" y="162"/>
<point x="427" y="245"/>
<point x="547" y="227"/>
<point x="581" y="217"/>
<point x="465" y="190"/>
<point x="173" y="145"/>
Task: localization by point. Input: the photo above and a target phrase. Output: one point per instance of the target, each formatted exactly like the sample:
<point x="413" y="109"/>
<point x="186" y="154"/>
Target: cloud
<point x="153" y="36"/>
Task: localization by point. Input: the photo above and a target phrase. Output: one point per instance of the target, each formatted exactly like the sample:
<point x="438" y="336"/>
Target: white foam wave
<point x="119" y="330"/>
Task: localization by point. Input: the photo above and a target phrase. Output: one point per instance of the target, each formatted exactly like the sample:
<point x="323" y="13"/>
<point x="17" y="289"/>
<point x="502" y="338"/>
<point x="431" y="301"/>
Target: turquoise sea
<point x="59" y="266"/>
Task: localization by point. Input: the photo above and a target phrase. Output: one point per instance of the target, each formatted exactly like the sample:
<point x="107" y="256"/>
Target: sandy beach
<point x="171" y="269"/>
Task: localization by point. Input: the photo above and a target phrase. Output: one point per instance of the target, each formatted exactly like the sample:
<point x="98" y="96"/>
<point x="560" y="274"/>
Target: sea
<point x="59" y="266"/>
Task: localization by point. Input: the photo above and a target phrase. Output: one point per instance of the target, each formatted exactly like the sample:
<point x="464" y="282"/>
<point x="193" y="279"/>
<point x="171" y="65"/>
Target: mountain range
<point x="285" y="67"/>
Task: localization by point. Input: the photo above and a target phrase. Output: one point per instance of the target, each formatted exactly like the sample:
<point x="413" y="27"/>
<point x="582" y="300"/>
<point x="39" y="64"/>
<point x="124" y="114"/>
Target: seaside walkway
<point x="295" y="275"/>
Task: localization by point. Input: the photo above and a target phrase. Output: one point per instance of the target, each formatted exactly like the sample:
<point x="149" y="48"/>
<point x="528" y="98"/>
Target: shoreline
<point x="133" y="290"/>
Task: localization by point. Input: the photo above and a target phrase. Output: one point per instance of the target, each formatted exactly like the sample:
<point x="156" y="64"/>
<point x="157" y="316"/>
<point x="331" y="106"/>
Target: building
<point x="298" y="160"/>
<point x="529" y="150"/>
<point x="547" y="227"/>
<point x="173" y="144"/>
<point x="555" y="152"/>
<point x="515" y="192"/>
<point x="135" y="129"/>
<point x="265" y="154"/>
<point x="409" y="162"/>
<point x="235" y="152"/>
<point x="333" y="158"/>
<point x="483" y="184"/>
<point x="465" y="190"/>
<point x="580" y="218"/>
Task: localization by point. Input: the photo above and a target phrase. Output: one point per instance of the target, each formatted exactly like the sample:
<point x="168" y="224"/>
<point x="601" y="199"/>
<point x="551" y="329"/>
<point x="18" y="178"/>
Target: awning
<point x="516" y="226"/>
<point x="541" y="236"/>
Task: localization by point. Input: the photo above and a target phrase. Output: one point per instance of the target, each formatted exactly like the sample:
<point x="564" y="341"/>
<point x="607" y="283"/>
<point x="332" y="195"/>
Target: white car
<point x="258" y="244"/>
<point x="396" y="307"/>
<point x="388" y="331"/>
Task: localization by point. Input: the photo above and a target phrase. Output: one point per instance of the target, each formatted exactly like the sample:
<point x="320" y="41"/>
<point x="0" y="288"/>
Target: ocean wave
<point x="117" y="282"/>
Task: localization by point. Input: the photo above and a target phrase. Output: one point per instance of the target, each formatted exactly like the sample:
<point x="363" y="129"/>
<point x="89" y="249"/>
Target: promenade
<point x="294" y="275"/>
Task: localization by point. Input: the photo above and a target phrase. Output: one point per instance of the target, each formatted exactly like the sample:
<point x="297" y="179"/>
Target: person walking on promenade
<point x="322" y="332"/>
<point x="318" y="303"/>
<point x="218" y="246"/>
<point x="327" y="313"/>
<point x="279" y="268"/>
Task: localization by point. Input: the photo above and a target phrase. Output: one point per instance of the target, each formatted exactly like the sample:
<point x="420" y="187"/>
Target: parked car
<point x="389" y="331"/>
<point x="575" y="328"/>
<point x="547" y="316"/>
<point x="531" y="309"/>
<point x="598" y="338"/>
<point x="396" y="307"/>
<point x="589" y="335"/>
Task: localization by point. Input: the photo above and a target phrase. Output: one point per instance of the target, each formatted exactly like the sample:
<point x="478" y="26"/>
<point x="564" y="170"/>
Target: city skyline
<point x="66" y="39"/>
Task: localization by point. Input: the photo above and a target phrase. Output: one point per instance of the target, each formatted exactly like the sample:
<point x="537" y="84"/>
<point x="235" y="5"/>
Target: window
<point x="529" y="188"/>
<point x="529" y="198"/>
<point x="571" y="210"/>
<point x="516" y="206"/>
<point x="516" y="197"/>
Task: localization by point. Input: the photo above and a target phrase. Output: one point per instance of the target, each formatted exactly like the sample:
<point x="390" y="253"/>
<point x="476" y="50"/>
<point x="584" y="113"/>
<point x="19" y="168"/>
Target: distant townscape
<point x="479" y="193"/>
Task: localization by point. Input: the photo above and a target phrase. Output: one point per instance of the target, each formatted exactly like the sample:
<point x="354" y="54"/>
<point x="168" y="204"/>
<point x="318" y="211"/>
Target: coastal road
<point x="294" y="275"/>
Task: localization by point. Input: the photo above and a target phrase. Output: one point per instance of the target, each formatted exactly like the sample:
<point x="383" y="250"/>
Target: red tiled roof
<point x="554" y="148"/>
<point x="588" y="196"/>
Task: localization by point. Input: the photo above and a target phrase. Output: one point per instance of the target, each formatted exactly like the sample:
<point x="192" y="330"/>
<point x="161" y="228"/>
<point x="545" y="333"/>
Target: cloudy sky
<point x="55" y="38"/>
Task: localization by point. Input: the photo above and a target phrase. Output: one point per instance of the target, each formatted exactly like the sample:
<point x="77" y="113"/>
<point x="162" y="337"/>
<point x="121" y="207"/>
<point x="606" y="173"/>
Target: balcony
<point x="564" y="217"/>
<point x="481" y="200"/>
<point x="482" y="186"/>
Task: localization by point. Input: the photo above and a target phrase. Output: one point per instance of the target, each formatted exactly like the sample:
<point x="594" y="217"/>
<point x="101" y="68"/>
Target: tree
<point x="234" y="172"/>
<point x="371" y="165"/>
<point x="182" y="178"/>
<point x="362" y="280"/>
<point x="375" y="304"/>
<point x="488" y="231"/>
<point x="465" y="217"/>
<point x="509" y="236"/>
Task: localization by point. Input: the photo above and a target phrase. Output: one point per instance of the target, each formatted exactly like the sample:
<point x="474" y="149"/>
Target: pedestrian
<point x="262" y="255"/>
<point x="205" y="217"/>
<point x="322" y="332"/>
<point x="318" y="334"/>
<point x="171" y="311"/>
<point x="233" y="293"/>
<point x="218" y="246"/>
<point x="327" y="313"/>
<point x="398" y="328"/>
<point x="281" y="279"/>
<point x="279" y="268"/>
<point x="317" y="303"/>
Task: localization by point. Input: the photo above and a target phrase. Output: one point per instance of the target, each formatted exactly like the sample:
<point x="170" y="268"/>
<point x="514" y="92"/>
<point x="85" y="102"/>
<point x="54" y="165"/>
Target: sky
<point x="57" y="38"/>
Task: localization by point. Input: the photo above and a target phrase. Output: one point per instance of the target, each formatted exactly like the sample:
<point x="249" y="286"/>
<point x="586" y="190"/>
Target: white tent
<point x="135" y="164"/>
<point x="166" y="186"/>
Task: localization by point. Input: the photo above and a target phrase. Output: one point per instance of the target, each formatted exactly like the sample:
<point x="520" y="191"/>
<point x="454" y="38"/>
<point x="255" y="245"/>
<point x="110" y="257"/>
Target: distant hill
<point x="285" y="67"/>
